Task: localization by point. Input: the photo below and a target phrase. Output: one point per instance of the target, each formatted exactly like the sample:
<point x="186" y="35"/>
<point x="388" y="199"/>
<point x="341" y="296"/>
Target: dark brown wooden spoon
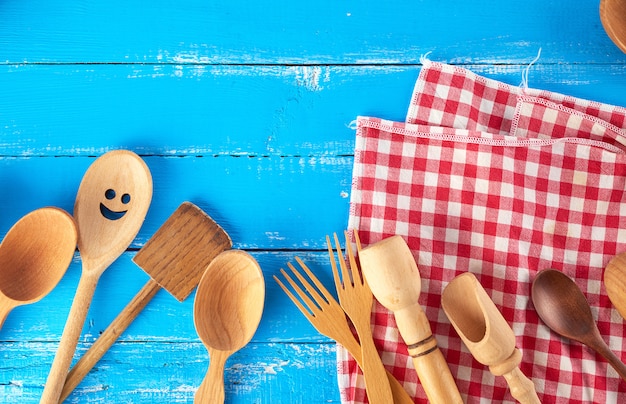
<point x="563" y="307"/>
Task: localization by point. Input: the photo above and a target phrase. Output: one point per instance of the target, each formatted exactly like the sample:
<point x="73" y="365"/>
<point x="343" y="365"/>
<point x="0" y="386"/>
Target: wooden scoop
<point x="486" y="333"/>
<point x="615" y="282"/>
<point x="613" y="17"/>
<point x="392" y="274"/>
<point x="175" y="258"/>
<point x="227" y="311"/>
<point x="34" y="256"/>
<point x="111" y="205"/>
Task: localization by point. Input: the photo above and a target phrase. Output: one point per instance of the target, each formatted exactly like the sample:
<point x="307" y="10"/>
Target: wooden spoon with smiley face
<point x="111" y="205"/>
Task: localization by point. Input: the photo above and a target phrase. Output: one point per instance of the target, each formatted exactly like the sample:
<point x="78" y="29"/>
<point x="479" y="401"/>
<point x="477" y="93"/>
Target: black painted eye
<point x="125" y="198"/>
<point x="109" y="194"/>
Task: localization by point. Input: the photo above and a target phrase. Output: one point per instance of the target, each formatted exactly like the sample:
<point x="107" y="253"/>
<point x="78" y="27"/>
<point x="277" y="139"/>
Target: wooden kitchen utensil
<point x="175" y="257"/>
<point x="392" y="274"/>
<point x="111" y="205"/>
<point x="356" y="299"/>
<point x="563" y="307"/>
<point x="486" y="333"/>
<point x="227" y="311"/>
<point x="327" y="316"/>
<point x="34" y="256"/>
<point x="613" y="18"/>
<point x="615" y="282"/>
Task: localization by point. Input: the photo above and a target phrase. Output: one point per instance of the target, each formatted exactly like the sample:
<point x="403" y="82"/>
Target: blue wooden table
<point x="246" y="109"/>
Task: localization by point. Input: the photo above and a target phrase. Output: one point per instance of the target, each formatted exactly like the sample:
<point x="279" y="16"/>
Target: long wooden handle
<point x="430" y="365"/>
<point x="109" y="336"/>
<point x="211" y="391"/>
<point x="69" y="339"/>
<point x="376" y="385"/>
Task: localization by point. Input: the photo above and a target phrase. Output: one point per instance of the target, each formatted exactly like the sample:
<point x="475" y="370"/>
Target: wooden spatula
<point x="175" y="258"/>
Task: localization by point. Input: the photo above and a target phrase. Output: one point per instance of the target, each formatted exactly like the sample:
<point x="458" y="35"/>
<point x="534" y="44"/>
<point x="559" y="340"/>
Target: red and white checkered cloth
<point x="502" y="182"/>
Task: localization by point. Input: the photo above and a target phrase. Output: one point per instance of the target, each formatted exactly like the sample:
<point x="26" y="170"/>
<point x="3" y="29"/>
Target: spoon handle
<point x="603" y="349"/>
<point x="109" y="336"/>
<point x="211" y="391"/>
<point x="69" y="339"/>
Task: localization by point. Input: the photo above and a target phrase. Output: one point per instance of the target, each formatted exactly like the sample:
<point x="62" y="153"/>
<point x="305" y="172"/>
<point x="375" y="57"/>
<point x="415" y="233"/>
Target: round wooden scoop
<point x="615" y="282"/>
<point x="486" y="333"/>
<point x="34" y="256"/>
<point x="111" y="205"/>
<point x="613" y="17"/>
<point x="392" y="274"/>
<point x="563" y="307"/>
<point x="227" y="311"/>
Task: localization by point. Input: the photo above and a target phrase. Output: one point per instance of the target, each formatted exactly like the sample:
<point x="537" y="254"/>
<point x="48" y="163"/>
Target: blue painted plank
<point x="171" y="372"/>
<point x="231" y="110"/>
<point x="262" y="202"/>
<point x="285" y="32"/>
<point x="164" y="319"/>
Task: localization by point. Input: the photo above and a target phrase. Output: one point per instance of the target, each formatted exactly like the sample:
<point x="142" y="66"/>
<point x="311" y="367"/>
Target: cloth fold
<point x="501" y="182"/>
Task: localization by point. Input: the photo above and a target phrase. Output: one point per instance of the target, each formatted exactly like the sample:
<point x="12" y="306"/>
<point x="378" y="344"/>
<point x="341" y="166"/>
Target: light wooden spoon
<point x="111" y="205"/>
<point x="34" y="256"/>
<point x="613" y="17"/>
<point x="227" y="311"/>
<point x="615" y="282"/>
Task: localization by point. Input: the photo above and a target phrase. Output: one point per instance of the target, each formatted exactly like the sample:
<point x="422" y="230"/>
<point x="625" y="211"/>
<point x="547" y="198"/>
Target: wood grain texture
<point x="246" y="110"/>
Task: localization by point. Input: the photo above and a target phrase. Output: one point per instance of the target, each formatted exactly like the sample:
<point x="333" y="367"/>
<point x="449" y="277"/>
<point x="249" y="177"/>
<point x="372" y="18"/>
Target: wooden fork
<point x="356" y="299"/>
<point x="327" y="316"/>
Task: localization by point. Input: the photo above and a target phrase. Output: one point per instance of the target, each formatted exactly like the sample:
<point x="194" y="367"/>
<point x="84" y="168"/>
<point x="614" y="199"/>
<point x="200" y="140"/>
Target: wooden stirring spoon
<point x="615" y="282"/>
<point x="392" y="274"/>
<point x="227" y="311"/>
<point x="563" y="307"/>
<point x="111" y="205"/>
<point x="34" y="256"/>
<point x="613" y="18"/>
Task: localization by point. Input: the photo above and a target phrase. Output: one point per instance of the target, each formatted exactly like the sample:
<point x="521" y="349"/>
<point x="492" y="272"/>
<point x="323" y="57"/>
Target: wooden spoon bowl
<point x="34" y="256"/>
<point x="613" y="17"/>
<point x="227" y="311"/>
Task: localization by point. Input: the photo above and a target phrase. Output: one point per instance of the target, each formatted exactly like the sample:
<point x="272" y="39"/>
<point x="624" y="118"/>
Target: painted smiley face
<point x="111" y="214"/>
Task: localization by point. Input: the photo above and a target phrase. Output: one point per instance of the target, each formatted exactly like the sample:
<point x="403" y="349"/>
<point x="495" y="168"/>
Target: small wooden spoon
<point x="613" y="17"/>
<point x="111" y="205"/>
<point x="563" y="307"/>
<point x="227" y="311"/>
<point x="615" y="282"/>
<point x="34" y="256"/>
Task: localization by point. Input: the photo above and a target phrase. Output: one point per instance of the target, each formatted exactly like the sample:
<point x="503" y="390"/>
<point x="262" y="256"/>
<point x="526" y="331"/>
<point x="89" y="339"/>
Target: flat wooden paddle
<point x="175" y="258"/>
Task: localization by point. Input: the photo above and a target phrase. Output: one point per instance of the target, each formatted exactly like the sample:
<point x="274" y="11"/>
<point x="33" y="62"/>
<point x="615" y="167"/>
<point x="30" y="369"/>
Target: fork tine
<point x="333" y="264"/>
<point x="329" y="298"/>
<point x="345" y="271"/>
<point x="354" y="269"/>
<point x="320" y="300"/>
<point x="294" y="299"/>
